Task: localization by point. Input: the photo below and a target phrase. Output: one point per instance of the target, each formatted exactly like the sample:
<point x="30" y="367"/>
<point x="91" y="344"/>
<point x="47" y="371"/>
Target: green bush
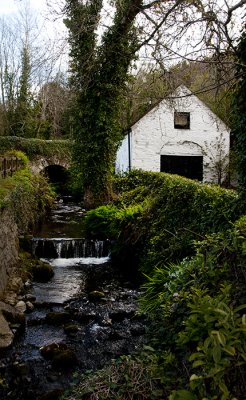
<point x="174" y="212"/>
<point x="199" y="313"/>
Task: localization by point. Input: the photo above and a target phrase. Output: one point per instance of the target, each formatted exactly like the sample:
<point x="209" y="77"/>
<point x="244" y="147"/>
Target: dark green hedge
<point x="172" y="212"/>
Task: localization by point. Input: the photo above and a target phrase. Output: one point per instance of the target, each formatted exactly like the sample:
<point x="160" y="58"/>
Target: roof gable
<point x="171" y="101"/>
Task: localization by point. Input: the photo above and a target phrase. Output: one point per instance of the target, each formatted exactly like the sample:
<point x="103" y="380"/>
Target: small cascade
<point x="51" y="248"/>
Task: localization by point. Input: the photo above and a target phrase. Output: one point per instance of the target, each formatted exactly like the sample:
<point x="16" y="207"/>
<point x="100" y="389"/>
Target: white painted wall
<point x="154" y="135"/>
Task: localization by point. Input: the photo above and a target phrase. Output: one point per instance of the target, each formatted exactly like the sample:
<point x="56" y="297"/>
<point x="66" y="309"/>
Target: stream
<point x="83" y="317"/>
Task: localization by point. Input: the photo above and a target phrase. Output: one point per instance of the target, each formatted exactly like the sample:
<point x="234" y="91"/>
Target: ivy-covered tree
<point x="99" y="75"/>
<point x="102" y="55"/>
<point x="23" y="114"/>
<point x="240" y="113"/>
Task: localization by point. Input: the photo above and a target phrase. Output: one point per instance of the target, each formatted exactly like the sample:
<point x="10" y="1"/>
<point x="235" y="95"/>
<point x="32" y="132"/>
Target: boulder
<point x="42" y="272"/>
<point x="20" y="306"/>
<point x="12" y="314"/>
<point x="6" y="335"/>
<point x="96" y="295"/>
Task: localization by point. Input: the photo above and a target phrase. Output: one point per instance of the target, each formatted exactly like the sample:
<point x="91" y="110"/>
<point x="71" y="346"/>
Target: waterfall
<point x="69" y="248"/>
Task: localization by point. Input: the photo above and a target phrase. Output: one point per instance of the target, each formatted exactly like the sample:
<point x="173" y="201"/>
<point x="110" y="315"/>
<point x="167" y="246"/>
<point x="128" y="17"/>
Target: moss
<point x="28" y="196"/>
<point x="41" y="271"/>
<point x="32" y="268"/>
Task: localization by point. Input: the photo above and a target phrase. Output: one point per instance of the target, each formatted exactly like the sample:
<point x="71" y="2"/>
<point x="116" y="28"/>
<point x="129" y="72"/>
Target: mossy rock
<point x="96" y="295"/>
<point x="49" y="351"/>
<point x="42" y="272"/>
<point x="71" y="329"/>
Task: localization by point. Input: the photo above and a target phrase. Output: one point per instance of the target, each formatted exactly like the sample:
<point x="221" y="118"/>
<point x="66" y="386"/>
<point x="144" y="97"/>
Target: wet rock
<point x="57" y="318"/>
<point x="49" y="351"/>
<point x="28" y="284"/>
<point x="20" y="306"/>
<point x="42" y="272"/>
<point x="137" y="330"/>
<point x="71" y="329"/>
<point x="64" y="360"/>
<point x="29" y="297"/>
<point x="20" y="368"/>
<point x="120" y="315"/>
<point x="6" y="335"/>
<point x="29" y="306"/>
<point x="96" y="295"/>
<point x="85" y="317"/>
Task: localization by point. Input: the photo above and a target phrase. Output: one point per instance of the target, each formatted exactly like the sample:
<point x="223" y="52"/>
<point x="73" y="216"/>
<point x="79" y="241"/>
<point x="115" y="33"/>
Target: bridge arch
<point x="55" y="169"/>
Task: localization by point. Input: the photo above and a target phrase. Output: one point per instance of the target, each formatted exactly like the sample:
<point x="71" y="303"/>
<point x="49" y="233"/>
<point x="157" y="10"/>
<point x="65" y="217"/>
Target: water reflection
<point x="70" y="275"/>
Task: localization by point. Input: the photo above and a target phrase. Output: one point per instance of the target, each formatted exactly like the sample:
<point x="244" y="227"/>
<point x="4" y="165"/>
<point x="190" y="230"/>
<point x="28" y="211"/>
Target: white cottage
<point x="180" y="135"/>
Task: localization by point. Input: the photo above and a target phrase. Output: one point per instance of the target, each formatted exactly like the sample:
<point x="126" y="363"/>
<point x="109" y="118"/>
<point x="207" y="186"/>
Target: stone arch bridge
<point x="50" y="156"/>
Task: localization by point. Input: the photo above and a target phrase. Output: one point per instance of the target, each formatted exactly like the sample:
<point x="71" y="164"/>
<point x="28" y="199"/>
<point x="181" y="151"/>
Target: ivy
<point x="99" y="73"/>
<point x="37" y="147"/>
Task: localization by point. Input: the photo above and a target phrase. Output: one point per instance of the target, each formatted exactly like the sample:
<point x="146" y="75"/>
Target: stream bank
<point x="83" y="317"/>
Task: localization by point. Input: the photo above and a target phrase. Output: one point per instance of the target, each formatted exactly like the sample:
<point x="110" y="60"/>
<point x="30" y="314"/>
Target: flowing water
<point x="85" y="308"/>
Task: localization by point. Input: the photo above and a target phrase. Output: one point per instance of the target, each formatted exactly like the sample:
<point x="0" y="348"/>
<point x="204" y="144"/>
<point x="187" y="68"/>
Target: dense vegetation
<point x="37" y="147"/>
<point x="27" y="196"/>
<point x="192" y="252"/>
<point x="158" y="216"/>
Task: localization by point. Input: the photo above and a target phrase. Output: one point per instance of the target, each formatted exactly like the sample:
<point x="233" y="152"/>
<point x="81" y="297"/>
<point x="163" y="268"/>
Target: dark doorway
<point x="188" y="166"/>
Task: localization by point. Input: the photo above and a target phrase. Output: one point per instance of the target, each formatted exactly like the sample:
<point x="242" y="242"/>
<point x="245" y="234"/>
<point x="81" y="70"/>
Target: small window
<point x="181" y="120"/>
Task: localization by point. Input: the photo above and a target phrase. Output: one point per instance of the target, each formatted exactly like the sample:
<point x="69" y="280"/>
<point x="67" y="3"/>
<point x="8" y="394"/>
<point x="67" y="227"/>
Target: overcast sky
<point x="11" y="6"/>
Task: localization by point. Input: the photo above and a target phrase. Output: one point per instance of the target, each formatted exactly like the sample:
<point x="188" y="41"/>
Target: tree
<point x="100" y="67"/>
<point x="240" y="113"/>
<point x="28" y="60"/>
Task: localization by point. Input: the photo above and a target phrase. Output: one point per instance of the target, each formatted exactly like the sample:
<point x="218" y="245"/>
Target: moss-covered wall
<point x="34" y="148"/>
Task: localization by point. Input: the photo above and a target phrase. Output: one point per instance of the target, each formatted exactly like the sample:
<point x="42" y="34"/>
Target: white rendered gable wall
<point x="154" y="135"/>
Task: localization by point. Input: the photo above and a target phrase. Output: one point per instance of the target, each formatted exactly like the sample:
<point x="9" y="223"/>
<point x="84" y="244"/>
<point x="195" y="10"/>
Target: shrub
<point x="174" y="211"/>
<point x="28" y="196"/>
<point x="199" y="314"/>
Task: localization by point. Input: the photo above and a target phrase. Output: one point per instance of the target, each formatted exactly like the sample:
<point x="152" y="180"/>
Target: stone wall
<point x="8" y="246"/>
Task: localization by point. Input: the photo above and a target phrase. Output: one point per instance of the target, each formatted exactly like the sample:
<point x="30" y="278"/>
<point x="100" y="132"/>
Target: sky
<point x="11" y="6"/>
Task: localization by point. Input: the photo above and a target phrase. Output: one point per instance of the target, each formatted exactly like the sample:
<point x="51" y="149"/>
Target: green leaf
<point x="220" y="336"/>
<point x="216" y="354"/>
<point x="239" y="308"/>
<point x="194" y="377"/>
<point x="198" y="363"/>
<point x="182" y="395"/>
<point x="230" y="350"/>
<point x="224" y="389"/>
<point x="194" y="356"/>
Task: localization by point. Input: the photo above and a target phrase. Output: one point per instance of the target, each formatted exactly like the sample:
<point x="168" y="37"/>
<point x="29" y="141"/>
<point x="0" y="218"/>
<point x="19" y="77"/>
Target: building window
<point x="181" y="120"/>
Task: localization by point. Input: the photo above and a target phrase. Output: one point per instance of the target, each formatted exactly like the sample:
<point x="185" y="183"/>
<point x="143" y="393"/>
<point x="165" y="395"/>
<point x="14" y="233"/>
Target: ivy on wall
<point x="37" y="147"/>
